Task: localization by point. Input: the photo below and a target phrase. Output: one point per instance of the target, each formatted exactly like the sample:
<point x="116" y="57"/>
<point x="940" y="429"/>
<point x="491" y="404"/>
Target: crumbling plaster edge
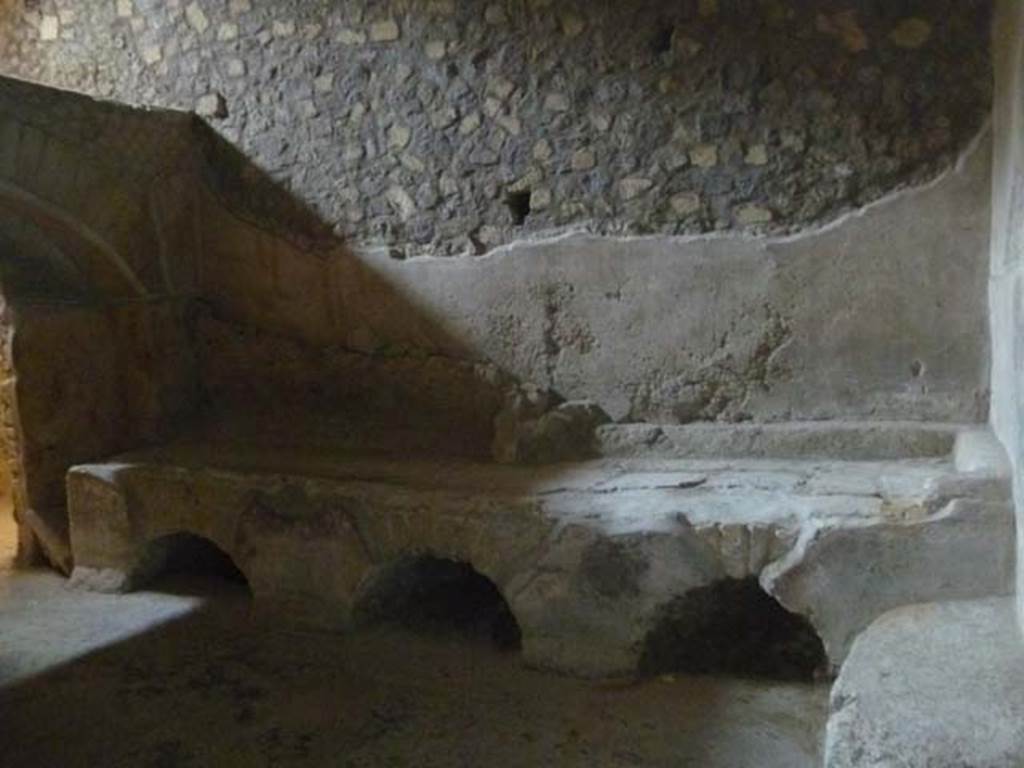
<point x="574" y="234"/>
<point x="582" y="236"/>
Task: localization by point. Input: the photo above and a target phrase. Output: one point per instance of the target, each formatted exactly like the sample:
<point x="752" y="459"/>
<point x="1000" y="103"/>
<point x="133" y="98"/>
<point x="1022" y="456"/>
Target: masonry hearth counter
<point x="587" y="555"/>
<point x="539" y="335"/>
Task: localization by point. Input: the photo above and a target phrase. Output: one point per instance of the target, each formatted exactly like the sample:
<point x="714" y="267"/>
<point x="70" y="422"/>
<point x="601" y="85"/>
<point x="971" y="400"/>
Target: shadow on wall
<point x="290" y="321"/>
<point x="722" y="327"/>
<point x="155" y="280"/>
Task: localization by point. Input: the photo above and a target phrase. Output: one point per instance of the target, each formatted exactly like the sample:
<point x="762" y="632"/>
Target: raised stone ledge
<point x="838" y="440"/>
<point x="585" y="554"/>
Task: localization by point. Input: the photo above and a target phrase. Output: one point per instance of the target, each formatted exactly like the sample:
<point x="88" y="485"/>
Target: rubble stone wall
<point x="444" y="126"/>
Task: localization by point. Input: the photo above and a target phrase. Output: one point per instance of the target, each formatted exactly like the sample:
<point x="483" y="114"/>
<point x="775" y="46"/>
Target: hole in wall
<point x="479" y="59"/>
<point x="441" y="597"/>
<point x="185" y="563"/>
<point x="662" y="42"/>
<point x="518" y="204"/>
<point x="732" y="627"/>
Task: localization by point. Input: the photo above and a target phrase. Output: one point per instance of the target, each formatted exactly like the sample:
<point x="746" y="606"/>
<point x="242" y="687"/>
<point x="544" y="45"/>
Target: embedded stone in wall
<point x="212" y="105"/>
<point x="911" y="33"/>
<point x="384" y="31"/>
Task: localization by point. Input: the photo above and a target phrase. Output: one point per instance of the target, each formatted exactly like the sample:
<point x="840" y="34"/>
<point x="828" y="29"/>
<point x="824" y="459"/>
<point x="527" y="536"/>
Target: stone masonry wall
<point x="437" y="126"/>
<point x="89" y="383"/>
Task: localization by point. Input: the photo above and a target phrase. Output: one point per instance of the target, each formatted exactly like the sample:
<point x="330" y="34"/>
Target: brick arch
<point x="422" y="589"/>
<point x="94" y="255"/>
<point x="161" y="551"/>
<point x="34" y="268"/>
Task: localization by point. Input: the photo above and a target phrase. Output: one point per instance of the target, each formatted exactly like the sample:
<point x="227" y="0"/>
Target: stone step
<point x="591" y="557"/>
<point x="932" y="686"/>
<point x="838" y="440"/>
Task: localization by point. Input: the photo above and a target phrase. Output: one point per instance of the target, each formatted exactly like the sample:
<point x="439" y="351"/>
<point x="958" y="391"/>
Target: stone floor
<point x="175" y="679"/>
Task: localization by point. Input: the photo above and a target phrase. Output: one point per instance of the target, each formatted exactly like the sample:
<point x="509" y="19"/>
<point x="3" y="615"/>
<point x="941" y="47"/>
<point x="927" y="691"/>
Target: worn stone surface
<point x="561" y="433"/>
<point x="773" y="115"/>
<point x="844" y="576"/>
<point x="932" y="686"/>
<point x="585" y="554"/>
<point x="1006" y="287"/>
<point x="838" y="440"/>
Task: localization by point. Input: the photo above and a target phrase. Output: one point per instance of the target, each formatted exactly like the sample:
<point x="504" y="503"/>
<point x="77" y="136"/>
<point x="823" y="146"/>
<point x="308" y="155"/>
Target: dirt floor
<point x="186" y="677"/>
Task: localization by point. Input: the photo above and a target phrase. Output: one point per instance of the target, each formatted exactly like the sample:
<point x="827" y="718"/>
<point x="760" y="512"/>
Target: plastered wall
<point x="1007" y="276"/>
